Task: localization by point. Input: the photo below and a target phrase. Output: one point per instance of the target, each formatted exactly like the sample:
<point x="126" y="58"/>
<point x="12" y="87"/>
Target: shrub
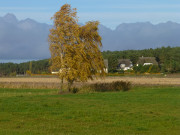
<point x="28" y="72"/>
<point x="146" y="69"/>
<point x="13" y="74"/>
<point x="113" y="86"/>
<point x="74" y="90"/>
<point x="121" y="71"/>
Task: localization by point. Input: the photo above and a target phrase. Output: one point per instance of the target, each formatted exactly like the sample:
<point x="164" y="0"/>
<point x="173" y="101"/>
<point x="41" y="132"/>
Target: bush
<point x="13" y="74"/>
<point x="146" y="69"/>
<point x="28" y="72"/>
<point x="114" y="86"/>
<point x="121" y="71"/>
<point x="74" y="90"/>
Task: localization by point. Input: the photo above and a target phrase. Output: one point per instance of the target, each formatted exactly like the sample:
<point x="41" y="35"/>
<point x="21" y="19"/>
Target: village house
<point x="125" y="64"/>
<point x="146" y="61"/>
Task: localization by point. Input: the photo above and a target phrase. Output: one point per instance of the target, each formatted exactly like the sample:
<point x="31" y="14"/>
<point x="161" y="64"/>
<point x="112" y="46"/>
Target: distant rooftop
<point x="143" y="60"/>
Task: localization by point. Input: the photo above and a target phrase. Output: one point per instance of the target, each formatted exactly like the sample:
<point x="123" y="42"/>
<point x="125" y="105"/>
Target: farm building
<point x="124" y="64"/>
<point x="147" y="61"/>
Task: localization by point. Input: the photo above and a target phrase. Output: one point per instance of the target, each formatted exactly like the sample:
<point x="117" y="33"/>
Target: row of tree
<point x="168" y="58"/>
<point x="35" y="67"/>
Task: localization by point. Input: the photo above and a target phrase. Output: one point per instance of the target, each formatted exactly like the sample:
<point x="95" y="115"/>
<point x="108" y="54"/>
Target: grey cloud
<point x="28" y="39"/>
<point x="141" y="36"/>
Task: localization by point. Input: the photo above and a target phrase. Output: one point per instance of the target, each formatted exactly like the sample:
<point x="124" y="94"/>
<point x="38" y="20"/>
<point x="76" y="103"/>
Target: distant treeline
<point x="168" y="58"/>
<point x="34" y="67"/>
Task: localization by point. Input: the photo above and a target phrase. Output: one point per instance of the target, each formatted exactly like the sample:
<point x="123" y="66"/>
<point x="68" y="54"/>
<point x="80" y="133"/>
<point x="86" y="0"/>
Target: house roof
<point x="127" y="62"/>
<point x="143" y="60"/>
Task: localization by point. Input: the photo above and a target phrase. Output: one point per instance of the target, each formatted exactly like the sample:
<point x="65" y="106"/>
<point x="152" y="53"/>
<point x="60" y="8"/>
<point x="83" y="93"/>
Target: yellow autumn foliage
<point x="75" y="50"/>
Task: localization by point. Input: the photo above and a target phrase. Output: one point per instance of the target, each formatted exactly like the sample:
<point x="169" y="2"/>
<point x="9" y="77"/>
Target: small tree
<point x="75" y="49"/>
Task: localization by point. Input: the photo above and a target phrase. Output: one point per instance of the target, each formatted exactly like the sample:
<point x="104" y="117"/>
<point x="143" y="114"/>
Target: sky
<point x="110" y="13"/>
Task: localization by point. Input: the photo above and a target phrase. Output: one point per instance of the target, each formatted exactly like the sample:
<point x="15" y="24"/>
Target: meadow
<point x="140" y="111"/>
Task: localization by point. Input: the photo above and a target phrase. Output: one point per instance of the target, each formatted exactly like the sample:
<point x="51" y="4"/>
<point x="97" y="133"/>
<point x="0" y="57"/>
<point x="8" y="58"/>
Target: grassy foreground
<point x="141" y="111"/>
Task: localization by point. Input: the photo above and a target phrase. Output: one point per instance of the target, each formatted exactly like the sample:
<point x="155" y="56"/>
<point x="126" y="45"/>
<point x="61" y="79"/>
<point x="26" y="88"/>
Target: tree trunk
<point x="62" y="67"/>
<point x="61" y="87"/>
<point x="70" y="83"/>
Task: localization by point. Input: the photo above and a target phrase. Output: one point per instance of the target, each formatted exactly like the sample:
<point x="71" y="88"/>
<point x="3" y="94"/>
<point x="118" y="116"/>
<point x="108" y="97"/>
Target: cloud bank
<point x="28" y="39"/>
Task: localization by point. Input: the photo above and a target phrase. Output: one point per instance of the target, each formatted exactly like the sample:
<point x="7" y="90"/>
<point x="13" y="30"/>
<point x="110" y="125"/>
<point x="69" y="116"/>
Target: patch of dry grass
<point x="54" y="83"/>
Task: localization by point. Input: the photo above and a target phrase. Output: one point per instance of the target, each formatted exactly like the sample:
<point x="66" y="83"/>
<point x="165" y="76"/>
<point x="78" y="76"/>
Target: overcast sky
<point x="109" y="12"/>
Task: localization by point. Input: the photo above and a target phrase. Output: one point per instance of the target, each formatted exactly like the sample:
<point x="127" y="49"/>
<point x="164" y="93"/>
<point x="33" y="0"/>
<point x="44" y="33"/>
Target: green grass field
<point x="141" y="111"/>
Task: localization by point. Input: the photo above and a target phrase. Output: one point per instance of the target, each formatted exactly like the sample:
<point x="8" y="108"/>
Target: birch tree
<point x="75" y="50"/>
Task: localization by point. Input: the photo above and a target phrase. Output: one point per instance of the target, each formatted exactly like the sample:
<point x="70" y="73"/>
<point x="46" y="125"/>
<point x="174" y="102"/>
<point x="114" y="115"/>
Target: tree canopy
<point x="75" y="50"/>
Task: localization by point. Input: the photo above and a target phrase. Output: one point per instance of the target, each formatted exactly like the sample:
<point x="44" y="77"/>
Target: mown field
<point x="140" y="111"/>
